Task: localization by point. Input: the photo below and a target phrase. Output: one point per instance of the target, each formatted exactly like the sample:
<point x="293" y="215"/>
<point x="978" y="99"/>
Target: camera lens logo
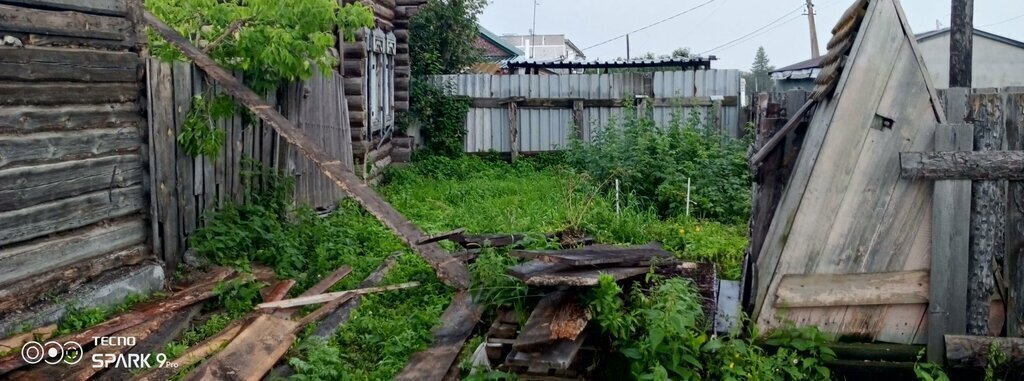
<point x="51" y="352"/>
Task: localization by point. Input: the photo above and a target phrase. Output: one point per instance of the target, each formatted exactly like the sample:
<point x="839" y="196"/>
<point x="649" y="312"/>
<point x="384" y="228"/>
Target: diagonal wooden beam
<point x="450" y="270"/>
<point x="963" y="165"/>
<point x="780" y="136"/>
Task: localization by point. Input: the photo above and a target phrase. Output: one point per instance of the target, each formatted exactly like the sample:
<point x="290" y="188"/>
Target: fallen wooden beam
<point x="973" y="351"/>
<point x="279" y="290"/>
<point x="599" y="255"/>
<point x="582" y="278"/>
<point x="252" y="353"/>
<point x="489" y="240"/>
<point x="168" y="331"/>
<point x="538" y="333"/>
<point x="536" y="267"/>
<point x="449" y="270"/>
<point x="195" y="354"/>
<point x="196" y="293"/>
<point x="831" y="290"/>
<point x="434" y="363"/>
<point x="558" y="356"/>
<point x="963" y="165"/>
<point x="331" y="296"/>
<point x="441" y="236"/>
<point x="17" y="341"/>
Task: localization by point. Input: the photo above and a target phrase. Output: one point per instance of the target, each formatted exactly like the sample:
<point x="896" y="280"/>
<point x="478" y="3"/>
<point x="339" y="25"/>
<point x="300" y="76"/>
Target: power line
<point x="1002" y="22"/>
<point x="754" y="32"/>
<point x="652" y="24"/>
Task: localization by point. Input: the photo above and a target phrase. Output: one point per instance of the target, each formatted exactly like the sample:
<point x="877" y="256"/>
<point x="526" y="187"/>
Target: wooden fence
<point x="187" y="186"/>
<point x="550" y="109"/>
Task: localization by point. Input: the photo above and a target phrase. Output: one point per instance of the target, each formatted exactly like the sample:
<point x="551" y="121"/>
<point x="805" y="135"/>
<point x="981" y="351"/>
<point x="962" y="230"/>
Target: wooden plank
<point x="449" y="270"/>
<point x="458" y="321"/>
<point x="988" y="214"/>
<point x="49" y="147"/>
<point x="489" y="240"/>
<point x="1014" y="116"/>
<point x="22" y="187"/>
<point x="198" y="292"/>
<point x="781" y="135"/>
<point x="65" y="118"/>
<point x="823" y="290"/>
<point x="39" y="220"/>
<point x="63" y="23"/>
<point x="184" y="164"/>
<point x="973" y="351"/>
<point x="951" y="214"/>
<point x="963" y="165"/>
<point x="537" y="334"/>
<point x="327" y="297"/>
<point x="534" y="268"/>
<point x="17" y="341"/>
<point x="84" y="370"/>
<point x="598" y="255"/>
<point x="163" y="146"/>
<point x="252" y="353"/>
<point x="449" y="235"/>
<point x="559" y="356"/>
<point x="155" y="342"/>
<point x="103" y="7"/>
<point x="43" y="256"/>
<point x="588" y="277"/>
<point x="195" y="354"/>
<point x="73" y="65"/>
<point x="65" y="93"/>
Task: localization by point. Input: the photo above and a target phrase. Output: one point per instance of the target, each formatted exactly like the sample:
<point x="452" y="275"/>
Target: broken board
<point x="581" y="278"/>
<point x="598" y="255"/>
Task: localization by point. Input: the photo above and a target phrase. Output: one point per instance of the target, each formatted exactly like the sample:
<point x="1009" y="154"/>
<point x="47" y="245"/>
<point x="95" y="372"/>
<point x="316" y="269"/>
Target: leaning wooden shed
<point x="848" y="246"/>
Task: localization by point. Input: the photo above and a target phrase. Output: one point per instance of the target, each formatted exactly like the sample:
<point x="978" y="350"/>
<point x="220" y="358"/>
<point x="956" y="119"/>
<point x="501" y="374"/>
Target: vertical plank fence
<point x="186" y="187"/>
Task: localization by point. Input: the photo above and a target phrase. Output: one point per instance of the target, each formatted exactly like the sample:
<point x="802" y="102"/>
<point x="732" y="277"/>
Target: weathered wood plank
<point x="65" y="93"/>
<point x="27" y="186"/>
<point x="457" y="322"/>
<point x="819" y="290"/>
<point x="51" y="147"/>
<point x="184" y="165"/>
<point x="167" y="332"/>
<point x="588" y="277"/>
<point x="63" y="23"/>
<point x="42" y="280"/>
<point x="31" y="119"/>
<point x="1014" y="116"/>
<point x="103" y="7"/>
<point x="973" y="351"/>
<point x="330" y="296"/>
<point x="537" y="334"/>
<point x="162" y="146"/>
<point x="951" y="214"/>
<point x="559" y="356"/>
<point x="39" y="220"/>
<point x="17" y="341"/>
<point x="449" y="270"/>
<point x="489" y="240"/>
<point x="250" y="355"/>
<point x="534" y="268"/>
<point x="598" y="255"/>
<point x="74" y="65"/>
<point x="988" y="214"/>
<point x="964" y="165"/>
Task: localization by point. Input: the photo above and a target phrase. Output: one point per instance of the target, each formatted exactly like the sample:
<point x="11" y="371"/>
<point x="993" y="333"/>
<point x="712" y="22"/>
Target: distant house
<point x="997" y="62"/>
<point x="543" y="47"/>
<point x="495" y="48"/>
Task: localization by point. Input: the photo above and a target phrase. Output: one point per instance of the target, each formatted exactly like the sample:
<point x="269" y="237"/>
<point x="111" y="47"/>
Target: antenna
<point x="533" y="31"/>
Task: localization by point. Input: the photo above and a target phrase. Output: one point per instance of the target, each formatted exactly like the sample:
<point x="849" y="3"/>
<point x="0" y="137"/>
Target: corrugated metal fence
<point x="545" y="103"/>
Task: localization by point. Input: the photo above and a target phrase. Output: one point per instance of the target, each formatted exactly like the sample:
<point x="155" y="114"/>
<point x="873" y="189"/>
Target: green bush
<point x="654" y="162"/>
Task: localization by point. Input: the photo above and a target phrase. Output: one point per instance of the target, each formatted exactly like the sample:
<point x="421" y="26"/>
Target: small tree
<point x="759" y="78"/>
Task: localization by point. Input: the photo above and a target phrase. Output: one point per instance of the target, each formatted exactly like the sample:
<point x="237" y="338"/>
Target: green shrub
<point x="654" y="163"/>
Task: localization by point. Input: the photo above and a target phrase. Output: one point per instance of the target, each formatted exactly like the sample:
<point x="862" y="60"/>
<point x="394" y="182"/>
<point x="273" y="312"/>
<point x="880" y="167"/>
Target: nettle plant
<point x="268" y="41"/>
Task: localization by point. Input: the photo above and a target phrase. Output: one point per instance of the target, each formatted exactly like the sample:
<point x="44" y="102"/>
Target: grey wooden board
<point x="69" y="118"/>
<point x="588" y="277"/>
<point x="66" y="93"/>
<point x="184" y="163"/>
<point x="63" y="23"/>
<point x="821" y="290"/>
<point x="161" y="86"/>
<point x="24" y="260"/>
<point x="536" y="333"/>
<point x="597" y="255"/>
<point x="27" y="186"/>
<point x="558" y="356"/>
<point x="75" y="65"/>
<point x="54" y="147"/>
<point x="1014" y="114"/>
<point x="727" y="307"/>
<point x="23" y="224"/>
<point x="535" y="267"/>
<point x="951" y="202"/>
<point x="105" y="7"/>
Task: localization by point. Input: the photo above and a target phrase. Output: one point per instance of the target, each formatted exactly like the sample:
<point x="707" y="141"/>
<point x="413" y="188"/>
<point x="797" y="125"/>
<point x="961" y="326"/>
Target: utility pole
<point x="814" y="30"/>
<point x="961" y="43"/>
<point x="533" y="31"/>
<point x="627" y="47"/>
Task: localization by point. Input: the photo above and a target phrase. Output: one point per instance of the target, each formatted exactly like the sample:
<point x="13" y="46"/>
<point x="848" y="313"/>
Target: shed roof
<point x="499" y="42"/>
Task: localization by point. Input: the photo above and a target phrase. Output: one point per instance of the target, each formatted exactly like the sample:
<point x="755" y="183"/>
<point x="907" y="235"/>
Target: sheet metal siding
<point x="550" y="129"/>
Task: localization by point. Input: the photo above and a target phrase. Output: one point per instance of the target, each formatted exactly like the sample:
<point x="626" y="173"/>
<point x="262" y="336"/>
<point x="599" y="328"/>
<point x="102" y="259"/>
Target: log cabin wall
<point x="73" y="152"/>
<point x="372" y="147"/>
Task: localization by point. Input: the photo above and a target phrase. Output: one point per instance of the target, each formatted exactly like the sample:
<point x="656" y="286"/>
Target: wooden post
<point x="1014" y="114"/>
<point x="988" y="215"/>
<point x="513" y="130"/>
<point x="961" y="43"/>
<point x="577" y="118"/>
<point x="950" y="239"/>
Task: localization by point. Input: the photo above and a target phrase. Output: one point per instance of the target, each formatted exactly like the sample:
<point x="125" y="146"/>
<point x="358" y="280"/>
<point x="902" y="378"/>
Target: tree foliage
<point x="759" y="78"/>
<point x="443" y="41"/>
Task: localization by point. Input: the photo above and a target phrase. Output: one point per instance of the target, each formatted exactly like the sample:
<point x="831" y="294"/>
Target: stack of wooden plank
<point x="550" y="343"/>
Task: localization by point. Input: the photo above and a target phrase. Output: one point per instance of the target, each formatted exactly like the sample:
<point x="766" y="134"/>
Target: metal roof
<point x="977" y="32"/>
<point x="499" y="42"/>
<point x="685" y="63"/>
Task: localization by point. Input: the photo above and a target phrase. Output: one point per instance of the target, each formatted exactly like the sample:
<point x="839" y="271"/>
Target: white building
<point x="545" y="47"/>
<point x="997" y="61"/>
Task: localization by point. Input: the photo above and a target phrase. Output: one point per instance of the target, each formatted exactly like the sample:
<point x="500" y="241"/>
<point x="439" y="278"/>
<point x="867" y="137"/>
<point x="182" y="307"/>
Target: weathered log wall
<point x="73" y="143"/>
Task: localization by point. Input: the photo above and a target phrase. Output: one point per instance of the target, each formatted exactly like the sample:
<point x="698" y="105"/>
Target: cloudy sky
<point x="718" y="27"/>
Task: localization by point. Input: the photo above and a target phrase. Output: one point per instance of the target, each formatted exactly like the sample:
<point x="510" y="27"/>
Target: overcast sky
<point x="717" y="22"/>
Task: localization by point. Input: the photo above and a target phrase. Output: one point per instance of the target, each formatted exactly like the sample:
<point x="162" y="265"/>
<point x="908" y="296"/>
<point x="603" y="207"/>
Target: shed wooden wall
<point x="73" y="168"/>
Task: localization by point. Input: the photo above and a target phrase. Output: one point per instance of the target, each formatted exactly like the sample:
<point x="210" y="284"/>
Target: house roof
<point x="499" y="42"/>
<point x="573" y="46"/>
<point x="806" y="64"/>
<point x="685" y="63"/>
<point x="977" y="32"/>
